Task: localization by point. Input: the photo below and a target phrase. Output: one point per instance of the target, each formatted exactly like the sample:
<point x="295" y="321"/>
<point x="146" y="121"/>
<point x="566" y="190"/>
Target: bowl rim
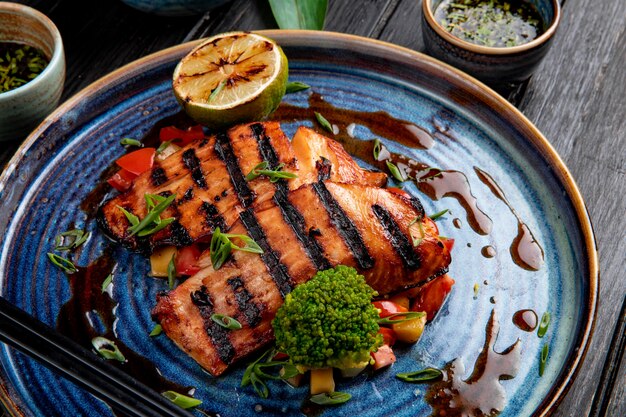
<point x="491" y="50"/>
<point x="57" y="57"/>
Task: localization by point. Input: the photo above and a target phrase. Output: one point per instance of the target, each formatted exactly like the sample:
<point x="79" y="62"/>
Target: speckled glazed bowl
<point x="494" y="66"/>
<point x="175" y="7"/>
<point x="23" y="108"/>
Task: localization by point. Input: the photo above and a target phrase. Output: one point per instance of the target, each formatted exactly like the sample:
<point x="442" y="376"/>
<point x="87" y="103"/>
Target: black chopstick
<point x="120" y="391"/>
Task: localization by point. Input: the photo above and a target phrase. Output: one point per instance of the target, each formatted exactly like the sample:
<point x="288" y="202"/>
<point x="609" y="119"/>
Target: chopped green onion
<point x="107" y="281"/>
<point x="171" y="272"/>
<point x="273" y="174"/>
<point x="295" y="86"/>
<point x="255" y="373"/>
<point x="70" y="240"/>
<point x="333" y="398"/>
<point x="543" y="359"/>
<point x="63" y="264"/>
<point x="437" y="215"/>
<point x="130" y="142"/>
<point x="226" y="322"/>
<point x="377" y="149"/>
<point x="153" y="216"/>
<point x="163" y="146"/>
<point x="222" y="245"/>
<point x="217" y="90"/>
<point x="259" y="386"/>
<point x="409" y="315"/>
<point x="417" y="241"/>
<point x="395" y="171"/>
<point x="132" y="219"/>
<point x="156" y="330"/>
<point x="107" y="348"/>
<point x="424" y="375"/>
<point x="181" y="400"/>
<point x="245" y="380"/>
<point x="325" y="123"/>
<point x="543" y="324"/>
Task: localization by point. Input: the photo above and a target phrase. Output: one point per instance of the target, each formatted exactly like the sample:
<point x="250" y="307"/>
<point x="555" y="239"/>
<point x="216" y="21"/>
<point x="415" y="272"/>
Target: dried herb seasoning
<point x="494" y="23"/>
<point x="19" y="64"/>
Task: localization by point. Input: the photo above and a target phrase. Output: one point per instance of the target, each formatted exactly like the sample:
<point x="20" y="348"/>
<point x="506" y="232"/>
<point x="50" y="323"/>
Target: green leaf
<point x="325" y="123"/>
<point x="221" y="246"/>
<point x="132" y="219"/>
<point x="259" y="386"/>
<point x="63" y="264"/>
<point x="153" y="214"/>
<point x="424" y="375"/>
<point x="273" y="174"/>
<point x="107" y="348"/>
<point x="181" y="400"/>
<point x="299" y="14"/>
<point x="334" y="398"/>
<point x="295" y="86"/>
<point x="437" y="215"/>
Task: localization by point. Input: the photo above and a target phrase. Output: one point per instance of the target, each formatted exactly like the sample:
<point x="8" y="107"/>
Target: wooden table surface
<point x="577" y="99"/>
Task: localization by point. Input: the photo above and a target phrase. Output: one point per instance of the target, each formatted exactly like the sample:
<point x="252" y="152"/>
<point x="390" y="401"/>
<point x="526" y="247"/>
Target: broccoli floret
<point x="329" y="321"/>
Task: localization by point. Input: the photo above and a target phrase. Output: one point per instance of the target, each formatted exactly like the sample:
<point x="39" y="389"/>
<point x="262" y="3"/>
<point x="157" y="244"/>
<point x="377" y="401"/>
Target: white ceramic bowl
<point x="23" y="108"/>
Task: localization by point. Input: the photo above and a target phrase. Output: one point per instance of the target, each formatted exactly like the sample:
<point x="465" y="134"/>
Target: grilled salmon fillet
<point x="384" y="235"/>
<point x="208" y="179"/>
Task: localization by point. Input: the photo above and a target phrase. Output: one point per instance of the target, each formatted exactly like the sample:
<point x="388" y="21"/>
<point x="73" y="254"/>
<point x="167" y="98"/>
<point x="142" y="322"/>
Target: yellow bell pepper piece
<point x="159" y="260"/>
<point x="411" y="330"/>
<point x="322" y="381"/>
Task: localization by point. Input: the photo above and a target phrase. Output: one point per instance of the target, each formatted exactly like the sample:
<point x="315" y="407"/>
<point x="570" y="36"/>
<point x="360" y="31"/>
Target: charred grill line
<point x="192" y="163"/>
<point x="344" y="225"/>
<point x="278" y="271"/>
<point x="218" y="335"/>
<point x="213" y="217"/>
<point x="250" y="310"/>
<point x="187" y="196"/>
<point x="398" y="240"/>
<point x="266" y="150"/>
<point x="324" y="168"/>
<point x="158" y="176"/>
<point x="224" y="150"/>
<point x="179" y="235"/>
<point x="417" y="205"/>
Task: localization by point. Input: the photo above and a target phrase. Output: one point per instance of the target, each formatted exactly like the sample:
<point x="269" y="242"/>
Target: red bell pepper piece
<point x="179" y="136"/>
<point x="431" y="297"/>
<point x="387" y="308"/>
<point x="137" y="162"/>
<point x="187" y="259"/>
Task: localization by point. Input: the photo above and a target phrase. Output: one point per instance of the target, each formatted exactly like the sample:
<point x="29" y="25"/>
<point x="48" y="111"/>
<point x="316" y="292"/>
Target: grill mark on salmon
<point x="278" y="271"/>
<point x="192" y="163"/>
<point x="266" y="150"/>
<point x="218" y="335"/>
<point x="212" y="217"/>
<point x="179" y="235"/>
<point x="399" y="241"/>
<point x="344" y="225"/>
<point x="250" y="310"/>
<point x="324" y="168"/>
<point x="158" y="176"/>
<point x="224" y="150"/>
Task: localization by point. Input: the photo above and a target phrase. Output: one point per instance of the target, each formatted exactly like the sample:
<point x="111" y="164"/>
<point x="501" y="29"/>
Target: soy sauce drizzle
<point x="526" y="320"/>
<point x="481" y="394"/>
<point x="90" y="313"/>
<point x="525" y="250"/>
<point x="435" y="183"/>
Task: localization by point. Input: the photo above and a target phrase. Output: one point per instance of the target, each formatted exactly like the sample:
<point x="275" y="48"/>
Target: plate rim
<point x="564" y="382"/>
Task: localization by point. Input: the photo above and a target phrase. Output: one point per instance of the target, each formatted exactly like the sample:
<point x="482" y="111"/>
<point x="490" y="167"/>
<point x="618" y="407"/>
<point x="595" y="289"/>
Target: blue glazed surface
<point x="41" y="191"/>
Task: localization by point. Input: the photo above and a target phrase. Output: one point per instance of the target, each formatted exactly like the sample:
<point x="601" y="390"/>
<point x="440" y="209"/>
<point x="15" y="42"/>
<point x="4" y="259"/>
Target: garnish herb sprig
<point x="171" y="271"/>
<point x="377" y="148"/>
<point x="107" y="348"/>
<point x="424" y="375"/>
<point x="131" y="142"/>
<point x="152" y="223"/>
<point x="63" y="264"/>
<point x="181" y="400"/>
<point x="420" y="225"/>
<point x="107" y="281"/>
<point x="273" y="174"/>
<point x="226" y="322"/>
<point x="401" y="317"/>
<point x="543" y="359"/>
<point x="222" y="245"/>
<point x="543" y="325"/>
<point x="70" y="240"/>
<point x="258" y="372"/>
<point x="156" y="330"/>
<point x="333" y="398"/>
<point x="324" y="123"/>
<point x="437" y="215"/>
<point x="395" y="171"/>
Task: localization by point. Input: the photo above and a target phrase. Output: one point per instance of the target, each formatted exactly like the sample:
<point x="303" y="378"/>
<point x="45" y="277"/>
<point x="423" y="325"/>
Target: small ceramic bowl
<point x="25" y="107"/>
<point x="175" y="7"/>
<point x="495" y="66"/>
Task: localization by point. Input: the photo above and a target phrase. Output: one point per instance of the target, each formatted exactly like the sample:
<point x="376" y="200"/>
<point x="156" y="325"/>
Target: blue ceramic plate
<point x="43" y="186"/>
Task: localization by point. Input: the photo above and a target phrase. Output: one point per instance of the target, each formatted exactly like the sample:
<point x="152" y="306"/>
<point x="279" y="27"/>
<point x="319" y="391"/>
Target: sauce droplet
<point x="457" y="223"/>
<point x="526" y="320"/>
<point x="526" y="252"/>
<point x="481" y="394"/>
<point x="488" y="251"/>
